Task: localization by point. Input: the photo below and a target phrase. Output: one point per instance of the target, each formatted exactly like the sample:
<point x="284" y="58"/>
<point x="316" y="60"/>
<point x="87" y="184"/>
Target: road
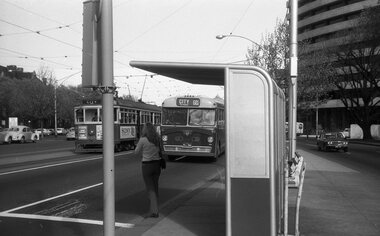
<point x="57" y="192"/>
<point x="46" y="189"/>
<point x="364" y="158"/>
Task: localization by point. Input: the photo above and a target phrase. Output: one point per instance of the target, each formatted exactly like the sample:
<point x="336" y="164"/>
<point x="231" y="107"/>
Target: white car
<point x="18" y="133"/>
<point x="70" y="135"/>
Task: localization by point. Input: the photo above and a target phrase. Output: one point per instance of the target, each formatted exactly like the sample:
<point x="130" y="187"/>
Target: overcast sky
<point x="48" y="33"/>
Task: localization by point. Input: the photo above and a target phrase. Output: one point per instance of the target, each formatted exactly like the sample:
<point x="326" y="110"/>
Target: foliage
<point x="357" y="63"/>
<point x="315" y="76"/>
<point x="33" y="100"/>
<point x="272" y="53"/>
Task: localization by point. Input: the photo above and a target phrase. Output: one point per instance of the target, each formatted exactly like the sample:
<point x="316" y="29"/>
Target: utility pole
<point x="107" y="88"/>
<point x="293" y="77"/>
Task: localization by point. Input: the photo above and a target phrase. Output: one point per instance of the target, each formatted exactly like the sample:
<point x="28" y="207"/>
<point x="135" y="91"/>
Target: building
<point x="320" y="23"/>
<point x="13" y="71"/>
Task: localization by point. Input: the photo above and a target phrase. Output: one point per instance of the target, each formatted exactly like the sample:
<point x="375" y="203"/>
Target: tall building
<point x="320" y="23"/>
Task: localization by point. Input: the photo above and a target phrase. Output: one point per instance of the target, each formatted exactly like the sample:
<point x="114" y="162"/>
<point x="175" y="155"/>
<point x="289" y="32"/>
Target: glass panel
<point x="115" y="116"/>
<point x="201" y="117"/>
<point x="174" y="116"/>
<point x="79" y="115"/>
<point x="91" y="115"/>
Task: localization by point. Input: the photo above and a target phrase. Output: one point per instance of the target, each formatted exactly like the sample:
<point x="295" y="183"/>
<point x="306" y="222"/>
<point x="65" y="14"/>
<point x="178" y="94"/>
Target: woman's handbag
<point x="163" y="163"/>
<point x="162" y="160"/>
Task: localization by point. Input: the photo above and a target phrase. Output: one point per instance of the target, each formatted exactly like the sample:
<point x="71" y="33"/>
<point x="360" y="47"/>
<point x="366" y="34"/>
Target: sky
<point x="47" y="34"/>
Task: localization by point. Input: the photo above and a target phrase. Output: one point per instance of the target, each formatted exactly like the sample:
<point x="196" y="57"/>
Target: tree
<point x="272" y="54"/>
<point x="357" y="63"/>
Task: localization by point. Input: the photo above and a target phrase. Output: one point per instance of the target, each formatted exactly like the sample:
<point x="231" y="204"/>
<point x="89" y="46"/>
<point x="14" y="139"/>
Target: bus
<point x="129" y="117"/>
<point x="193" y="126"/>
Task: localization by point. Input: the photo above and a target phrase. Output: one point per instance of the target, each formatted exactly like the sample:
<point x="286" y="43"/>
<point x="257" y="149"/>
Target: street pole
<point x="293" y="77"/>
<point x="55" y="109"/>
<point x="292" y="103"/>
<point x="107" y="88"/>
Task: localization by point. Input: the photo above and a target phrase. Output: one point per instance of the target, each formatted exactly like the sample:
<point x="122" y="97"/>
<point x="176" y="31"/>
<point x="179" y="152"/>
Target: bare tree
<point x="357" y="63"/>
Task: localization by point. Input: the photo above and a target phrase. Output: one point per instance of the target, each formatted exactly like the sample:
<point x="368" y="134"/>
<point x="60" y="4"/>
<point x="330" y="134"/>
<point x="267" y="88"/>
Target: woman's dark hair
<point x="150" y="133"/>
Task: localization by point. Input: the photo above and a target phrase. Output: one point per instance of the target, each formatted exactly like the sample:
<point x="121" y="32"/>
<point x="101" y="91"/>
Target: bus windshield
<point x="174" y="116"/>
<point x="201" y="117"/>
<point x="179" y="116"/>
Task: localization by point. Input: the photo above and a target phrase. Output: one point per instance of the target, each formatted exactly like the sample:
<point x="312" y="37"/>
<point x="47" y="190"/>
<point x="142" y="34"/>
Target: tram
<point x="193" y="126"/>
<point x="129" y="117"/>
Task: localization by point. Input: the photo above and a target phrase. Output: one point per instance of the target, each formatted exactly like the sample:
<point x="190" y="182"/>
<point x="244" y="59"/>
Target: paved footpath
<point x="338" y="201"/>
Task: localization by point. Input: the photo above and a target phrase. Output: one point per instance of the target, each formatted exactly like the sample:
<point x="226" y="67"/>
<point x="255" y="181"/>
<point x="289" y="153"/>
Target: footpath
<point x="336" y="201"/>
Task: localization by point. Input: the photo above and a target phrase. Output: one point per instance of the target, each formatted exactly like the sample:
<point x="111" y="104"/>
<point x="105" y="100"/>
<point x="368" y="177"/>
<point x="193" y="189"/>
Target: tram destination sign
<point x="188" y="102"/>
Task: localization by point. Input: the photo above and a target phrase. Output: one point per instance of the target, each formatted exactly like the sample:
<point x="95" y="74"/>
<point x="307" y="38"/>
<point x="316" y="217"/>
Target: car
<point x="18" y="133"/>
<point x="61" y="131"/>
<point x="332" y="141"/>
<point x="70" y="135"/>
<point x="42" y="131"/>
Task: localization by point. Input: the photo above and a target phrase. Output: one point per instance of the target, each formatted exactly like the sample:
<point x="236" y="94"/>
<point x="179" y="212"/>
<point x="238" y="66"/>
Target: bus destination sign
<point x="188" y="102"/>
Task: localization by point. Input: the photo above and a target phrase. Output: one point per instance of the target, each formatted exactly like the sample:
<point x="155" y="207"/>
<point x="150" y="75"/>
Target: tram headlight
<point x="210" y="139"/>
<point x="164" y="138"/>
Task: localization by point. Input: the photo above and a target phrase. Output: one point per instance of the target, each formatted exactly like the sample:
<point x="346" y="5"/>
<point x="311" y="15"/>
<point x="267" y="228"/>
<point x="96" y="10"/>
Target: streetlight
<point x="222" y="36"/>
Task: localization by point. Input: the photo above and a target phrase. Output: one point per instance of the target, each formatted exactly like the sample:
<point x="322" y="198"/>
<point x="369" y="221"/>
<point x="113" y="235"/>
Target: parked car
<point x="70" y="135"/>
<point x="42" y="131"/>
<point x="19" y="133"/>
<point x="61" y="131"/>
<point x="332" y="141"/>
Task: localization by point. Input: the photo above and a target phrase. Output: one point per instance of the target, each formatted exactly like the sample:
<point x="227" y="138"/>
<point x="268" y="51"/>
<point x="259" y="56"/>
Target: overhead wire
<point x="155" y="25"/>
<point x="26" y="56"/>
<point x="42" y="16"/>
<point x="233" y="29"/>
<point x="30" y="32"/>
<point x="39" y="33"/>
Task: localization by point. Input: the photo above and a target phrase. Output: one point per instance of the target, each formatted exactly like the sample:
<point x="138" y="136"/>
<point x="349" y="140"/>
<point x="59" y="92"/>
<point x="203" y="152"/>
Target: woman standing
<point x="148" y="148"/>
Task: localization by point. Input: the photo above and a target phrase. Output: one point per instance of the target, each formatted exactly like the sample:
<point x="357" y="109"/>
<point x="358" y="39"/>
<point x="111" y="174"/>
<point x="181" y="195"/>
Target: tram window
<point x="201" y="117"/>
<point x="174" y="116"/>
<point x="157" y="118"/>
<point x="145" y="117"/>
<point x="115" y="116"/>
<point x="79" y="115"/>
<point x="91" y="115"/>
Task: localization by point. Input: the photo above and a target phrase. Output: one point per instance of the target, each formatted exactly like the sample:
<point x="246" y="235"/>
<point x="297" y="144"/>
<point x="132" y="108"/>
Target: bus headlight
<point x="210" y="139"/>
<point x="164" y="138"/>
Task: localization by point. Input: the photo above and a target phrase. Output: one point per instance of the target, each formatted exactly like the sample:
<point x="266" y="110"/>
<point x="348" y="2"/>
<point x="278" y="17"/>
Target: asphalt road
<point x="47" y="182"/>
<point x="362" y="157"/>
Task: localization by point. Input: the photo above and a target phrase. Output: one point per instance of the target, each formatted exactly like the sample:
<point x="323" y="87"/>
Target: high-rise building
<point x="321" y="23"/>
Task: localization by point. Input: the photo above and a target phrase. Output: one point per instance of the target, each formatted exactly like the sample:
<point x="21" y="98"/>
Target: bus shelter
<point x="255" y="143"/>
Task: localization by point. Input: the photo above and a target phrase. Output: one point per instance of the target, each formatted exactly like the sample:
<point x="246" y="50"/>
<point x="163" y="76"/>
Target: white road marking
<point x="59" y="164"/>
<point x="8" y="213"/>
<point x="62" y="219"/>
<point x="52" y="198"/>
